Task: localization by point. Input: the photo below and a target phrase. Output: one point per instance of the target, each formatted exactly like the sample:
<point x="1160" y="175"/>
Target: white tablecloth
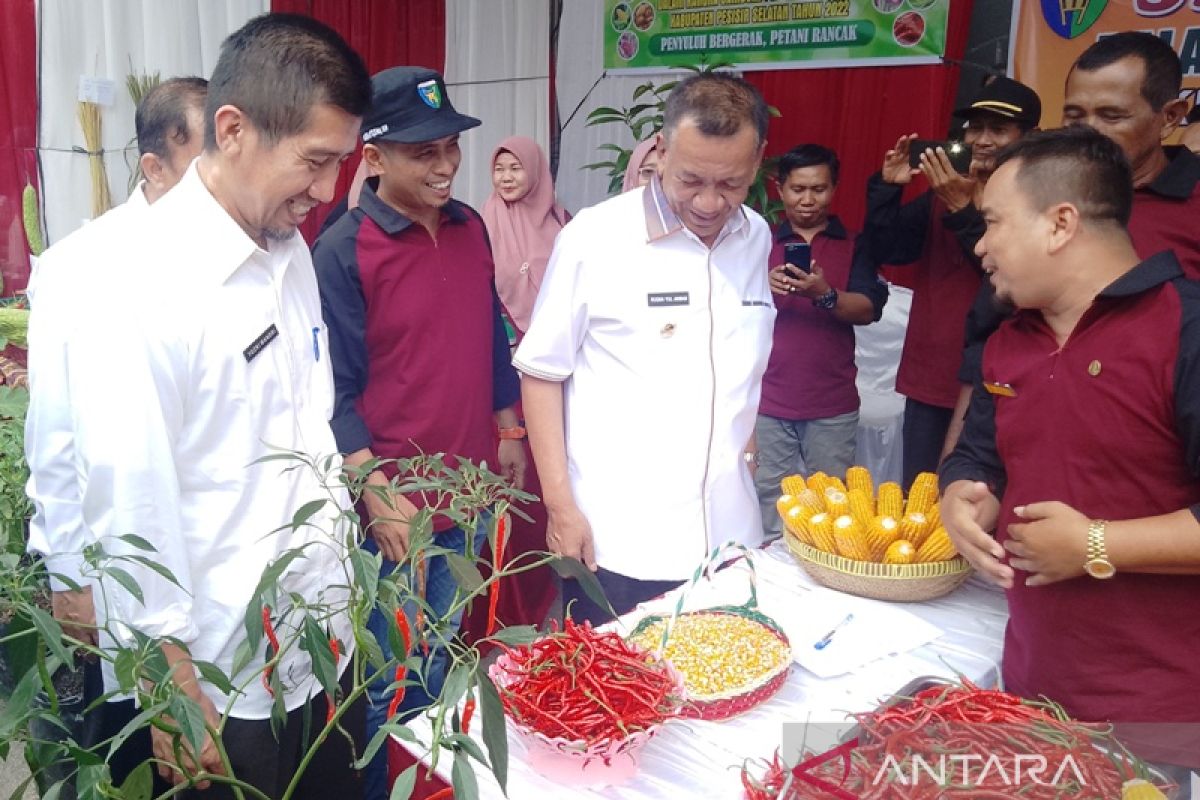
<point x="703" y="759"/>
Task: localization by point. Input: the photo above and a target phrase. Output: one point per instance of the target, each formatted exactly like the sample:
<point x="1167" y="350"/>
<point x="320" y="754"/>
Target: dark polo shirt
<point x="939" y="247"/>
<point x="1109" y="423"/>
<point x="418" y="347"/>
<point x="811" y="371"/>
<point x="1166" y="216"/>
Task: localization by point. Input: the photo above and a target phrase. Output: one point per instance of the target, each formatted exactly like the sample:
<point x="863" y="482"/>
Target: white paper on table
<point x="878" y="629"/>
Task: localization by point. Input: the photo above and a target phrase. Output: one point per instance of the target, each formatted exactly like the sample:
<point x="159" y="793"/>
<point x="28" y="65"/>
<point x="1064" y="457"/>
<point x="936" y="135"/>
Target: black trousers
<point x="623" y="594"/>
<point x="925" y="429"/>
<point x="268" y="763"/>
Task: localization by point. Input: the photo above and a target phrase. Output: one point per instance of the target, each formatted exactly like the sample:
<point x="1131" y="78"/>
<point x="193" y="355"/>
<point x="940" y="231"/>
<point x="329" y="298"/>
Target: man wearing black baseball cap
<point x="418" y="347"/>
<point x="936" y="234"/>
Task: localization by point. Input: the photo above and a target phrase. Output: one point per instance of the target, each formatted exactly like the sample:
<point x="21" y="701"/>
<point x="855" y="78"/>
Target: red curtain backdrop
<point x="860" y="112"/>
<point x="18" y="134"/>
<point x="386" y="33"/>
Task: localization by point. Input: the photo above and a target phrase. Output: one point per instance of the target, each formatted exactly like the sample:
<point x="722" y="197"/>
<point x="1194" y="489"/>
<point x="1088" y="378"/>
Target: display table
<point x="702" y="759"/>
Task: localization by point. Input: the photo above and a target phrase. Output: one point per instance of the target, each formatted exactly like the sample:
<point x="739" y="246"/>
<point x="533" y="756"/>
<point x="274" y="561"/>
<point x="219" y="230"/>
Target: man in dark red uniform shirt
<point x="1127" y="87"/>
<point x="808" y="414"/>
<point x="935" y="233"/>
<point x="418" y="347"/>
<point x="1081" y="450"/>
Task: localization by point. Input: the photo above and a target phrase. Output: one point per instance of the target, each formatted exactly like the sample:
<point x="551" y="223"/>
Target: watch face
<point x="1099" y="568"/>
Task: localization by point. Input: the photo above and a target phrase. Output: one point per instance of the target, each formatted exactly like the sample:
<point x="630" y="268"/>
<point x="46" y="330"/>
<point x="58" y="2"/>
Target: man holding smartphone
<point x="936" y="234"/>
<point x="825" y="282"/>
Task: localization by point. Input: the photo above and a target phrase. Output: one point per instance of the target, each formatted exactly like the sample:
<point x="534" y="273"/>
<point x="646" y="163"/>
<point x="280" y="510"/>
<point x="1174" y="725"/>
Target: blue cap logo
<point x="430" y="94"/>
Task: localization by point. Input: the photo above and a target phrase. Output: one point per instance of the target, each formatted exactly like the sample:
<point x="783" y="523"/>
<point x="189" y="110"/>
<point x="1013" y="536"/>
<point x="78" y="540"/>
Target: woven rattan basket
<point x="900" y="582"/>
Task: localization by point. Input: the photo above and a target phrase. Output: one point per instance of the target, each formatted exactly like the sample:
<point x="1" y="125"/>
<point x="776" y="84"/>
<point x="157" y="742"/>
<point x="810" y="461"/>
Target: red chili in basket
<point x="497" y="562"/>
<point x="269" y="629"/>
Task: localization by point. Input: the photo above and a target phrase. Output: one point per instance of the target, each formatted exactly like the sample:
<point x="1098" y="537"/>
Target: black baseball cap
<point x="410" y="105"/>
<point x="1006" y="98"/>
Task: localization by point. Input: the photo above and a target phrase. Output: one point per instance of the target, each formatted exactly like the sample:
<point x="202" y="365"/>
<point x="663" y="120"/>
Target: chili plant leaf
<point x="495" y="736"/>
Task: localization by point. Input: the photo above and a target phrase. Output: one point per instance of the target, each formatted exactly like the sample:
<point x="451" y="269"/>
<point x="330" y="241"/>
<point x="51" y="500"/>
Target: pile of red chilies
<point x="956" y="721"/>
<point x="586" y="686"/>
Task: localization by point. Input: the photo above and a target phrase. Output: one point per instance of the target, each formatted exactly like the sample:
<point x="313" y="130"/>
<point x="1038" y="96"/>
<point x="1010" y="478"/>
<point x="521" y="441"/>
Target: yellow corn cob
<point x="922" y="494"/>
<point x="890" y="502"/>
<point x="934" y="516"/>
<point x="836" y="483"/>
<point x="836" y="503"/>
<point x="1138" y="789"/>
<point x="785" y="502"/>
<point x="810" y="500"/>
<point x="862" y="507"/>
<point x="914" y="528"/>
<point x="820" y="530"/>
<point x="900" y="552"/>
<point x="796" y="521"/>
<point x="818" y="482"/>
<point x="850" y="538"/>
<point x="880" y="534"/>
<point x="936" y="547"/>
<point x="860" y="478"/>
<point x="793" y="485"/>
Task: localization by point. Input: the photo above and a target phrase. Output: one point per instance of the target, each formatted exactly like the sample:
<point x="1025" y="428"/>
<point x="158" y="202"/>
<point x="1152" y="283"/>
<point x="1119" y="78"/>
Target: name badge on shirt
<point x="663" y="299"/>
<point x="755" y="303"/>
<point x="260" y="342"/>
<point x="1000" y="389"/>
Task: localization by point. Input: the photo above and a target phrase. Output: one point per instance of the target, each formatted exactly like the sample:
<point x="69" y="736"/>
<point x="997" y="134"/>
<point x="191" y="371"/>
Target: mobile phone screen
<point x="958" y="153"/>
<point x="799" y="256"/>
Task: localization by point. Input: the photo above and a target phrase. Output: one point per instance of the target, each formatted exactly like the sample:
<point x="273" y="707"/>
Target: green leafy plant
<point x="643" y="117"/>
<point x="15" y="507"/>
<point x="36" y="646"/>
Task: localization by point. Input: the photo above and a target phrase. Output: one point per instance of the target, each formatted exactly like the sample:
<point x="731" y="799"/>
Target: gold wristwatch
<point x="1097" y="564"/>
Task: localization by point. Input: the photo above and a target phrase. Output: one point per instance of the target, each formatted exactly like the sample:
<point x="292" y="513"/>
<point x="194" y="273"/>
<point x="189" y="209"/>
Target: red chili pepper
<point x="330" y="700"/>
<point x="269" y="629"/>
<point x="421" y="631"/>
<point x="405" y="632"/>
<point x="497" y="564"/>
<point x="468" y="712"/>
<point x="398" y="696"/>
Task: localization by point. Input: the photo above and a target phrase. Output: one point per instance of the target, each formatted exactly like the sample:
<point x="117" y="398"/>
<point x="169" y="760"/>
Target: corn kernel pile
<point x="718" y="654"/>
<point x="852" y="520"/>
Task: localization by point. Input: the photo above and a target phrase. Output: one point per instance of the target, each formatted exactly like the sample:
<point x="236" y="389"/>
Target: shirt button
<point x="525" y="268"/>
<point x="1094" y="368"/>
<point x="668" y="330"/>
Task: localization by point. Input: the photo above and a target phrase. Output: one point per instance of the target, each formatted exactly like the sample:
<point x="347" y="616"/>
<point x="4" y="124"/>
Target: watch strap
<point x="511" y="433"/>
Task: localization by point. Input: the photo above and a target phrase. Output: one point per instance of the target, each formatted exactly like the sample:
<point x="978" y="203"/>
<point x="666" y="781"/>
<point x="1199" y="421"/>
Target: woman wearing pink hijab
<point x="643" y="164"/>
<point x="522" y="219"/>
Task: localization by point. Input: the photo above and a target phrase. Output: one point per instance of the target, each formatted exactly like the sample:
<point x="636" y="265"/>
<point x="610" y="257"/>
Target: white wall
<point x="102" y="38"/>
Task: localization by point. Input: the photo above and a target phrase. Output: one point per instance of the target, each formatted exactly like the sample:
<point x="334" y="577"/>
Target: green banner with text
<point x="653" y="35"/>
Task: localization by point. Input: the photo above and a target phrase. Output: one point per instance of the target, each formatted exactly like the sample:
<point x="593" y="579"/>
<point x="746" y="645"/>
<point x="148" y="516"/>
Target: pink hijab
<point x="635" y="163"/>
<point x="523" y="232"/>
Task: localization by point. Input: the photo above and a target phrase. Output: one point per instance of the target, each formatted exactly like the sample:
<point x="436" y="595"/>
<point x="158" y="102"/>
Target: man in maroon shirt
<point x="418" y="347"/>
<point x="1127" y="87"/>
<point x="808" y="414"/>
<point x="935" y="234"/>
<point x="1081" y="449"/>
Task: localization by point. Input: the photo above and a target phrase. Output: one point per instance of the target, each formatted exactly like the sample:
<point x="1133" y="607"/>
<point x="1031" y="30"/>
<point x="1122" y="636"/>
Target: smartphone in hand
<point x="958" y="153"/>
<point x="798" y="258"/>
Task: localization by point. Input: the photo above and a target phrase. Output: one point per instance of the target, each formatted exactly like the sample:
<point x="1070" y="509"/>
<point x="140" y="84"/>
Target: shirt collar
<point x="662" y="221"/>
<point x="392" y="221"/>
<point x="1154" y="271"/>
<point x="1178" y="181"/>
<point x="834" y="229"/>
<point x="226" y="246"/>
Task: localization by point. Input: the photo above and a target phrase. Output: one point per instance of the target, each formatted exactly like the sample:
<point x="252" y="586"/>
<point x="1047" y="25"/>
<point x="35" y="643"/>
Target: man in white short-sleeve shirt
<point x="643" y="363"/>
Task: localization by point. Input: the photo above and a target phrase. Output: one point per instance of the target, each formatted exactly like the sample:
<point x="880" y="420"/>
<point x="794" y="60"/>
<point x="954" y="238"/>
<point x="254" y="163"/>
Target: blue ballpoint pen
<point x="824" y="641"/>
<point x="316" y="344"/>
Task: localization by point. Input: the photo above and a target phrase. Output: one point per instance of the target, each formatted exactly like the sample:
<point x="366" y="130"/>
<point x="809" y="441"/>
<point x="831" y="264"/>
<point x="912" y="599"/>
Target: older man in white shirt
<point x="216" y="358"/>
<point x="170" y="133"/>
<point x="643" y="364"/>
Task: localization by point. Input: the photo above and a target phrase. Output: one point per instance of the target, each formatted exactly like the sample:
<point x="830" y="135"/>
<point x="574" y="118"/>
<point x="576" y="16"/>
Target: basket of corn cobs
<point x="731" y="658"/>
<point x="584" y="702"/>
<point x="878" y="544"/>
